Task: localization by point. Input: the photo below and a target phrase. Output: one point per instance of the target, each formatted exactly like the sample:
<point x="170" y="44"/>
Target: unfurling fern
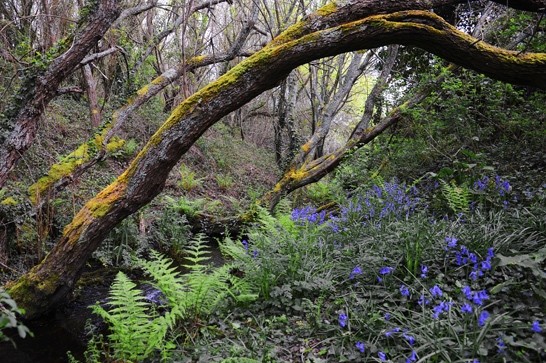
<point x="457" y="196"/>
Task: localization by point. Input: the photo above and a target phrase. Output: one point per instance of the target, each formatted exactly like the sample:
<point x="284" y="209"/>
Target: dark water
<point x="57" y="333"/>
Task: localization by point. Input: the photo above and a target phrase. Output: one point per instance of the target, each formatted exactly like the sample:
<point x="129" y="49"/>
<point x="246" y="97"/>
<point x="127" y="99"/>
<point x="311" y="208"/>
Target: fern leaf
<point x="457" y="197"/>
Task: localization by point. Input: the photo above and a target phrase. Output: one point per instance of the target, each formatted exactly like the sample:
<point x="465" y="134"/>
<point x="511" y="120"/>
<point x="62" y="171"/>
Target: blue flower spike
<point x="360" y="346"/>
<point x="436" y="291"/>
<point x="342" y="319"/>
<point x="482" y="319"/>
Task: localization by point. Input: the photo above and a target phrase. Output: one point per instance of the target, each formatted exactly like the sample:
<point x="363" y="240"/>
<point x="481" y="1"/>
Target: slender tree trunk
<point x="3" y="244"/>
<point x="91" y="86"/>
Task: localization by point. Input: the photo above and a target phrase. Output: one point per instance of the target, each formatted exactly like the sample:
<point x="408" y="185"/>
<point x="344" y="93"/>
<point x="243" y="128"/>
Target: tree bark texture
<point x="46" y="85"/>
<point x="49" y="282"/>
<point x="93" y="99"/>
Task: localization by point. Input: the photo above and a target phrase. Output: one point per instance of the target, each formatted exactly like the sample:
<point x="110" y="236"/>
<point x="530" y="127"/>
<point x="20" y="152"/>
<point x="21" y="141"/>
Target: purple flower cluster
<point x="383" y="271"/>
<point x="495" y="186"/>
<point x="410" y="340"/>
<point x="308" y="215"/>
<point x="464" y="256"/>
<point x="500" y="185"/>
<point x="356" y="271"/>
<point x="392" y="199"/>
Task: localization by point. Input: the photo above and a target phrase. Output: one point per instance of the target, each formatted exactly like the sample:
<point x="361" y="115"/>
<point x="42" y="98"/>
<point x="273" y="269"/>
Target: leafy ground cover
<point x="385" y="277"/>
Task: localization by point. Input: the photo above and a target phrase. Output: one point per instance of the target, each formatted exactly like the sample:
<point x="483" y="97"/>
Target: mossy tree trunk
<point x="330" y="31"/>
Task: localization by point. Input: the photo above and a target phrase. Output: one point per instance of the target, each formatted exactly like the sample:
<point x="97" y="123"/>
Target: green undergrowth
<point x="222" y="166"/>
<point x="380" y="282"/>
<point x="385" y="277"/>
<point x="144" y="326"/>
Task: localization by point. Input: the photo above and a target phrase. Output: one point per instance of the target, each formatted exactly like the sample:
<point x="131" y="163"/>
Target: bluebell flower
<point x="423" y="300"/>
<point x="255" y="254"/>
<point x="360" y="346"/>
<point x="467" y="291"/>
<point x="458" y="259"/>
<point x="451" y="242"/>
<point x="356" y="271"/>
<point x="479" y="297"/>
<point x="436" y="291"/>
<point x="424" y="271"/>
<point x="486" y="265"/>
<point x="481" y="184"/>
<point x="501" y="346"/>
<point x="382" y="356"/>
<point x="409" y="338"/>
<point x="505" y="185"/>
<point x="475" y="273"/>
<point x="490" y="252"/>
<point x="389" y="333"/>
<point x="441" y="307"/>
<point x="536" y="327"/>
<point x="342" y="320"/>
<point x="412" y="357"/>
<point x="387" y="316"/>
<point x="386" y="270"/>
<point x="466" y="308"/>
<point x="245" y="244"/>
<point x="404" y="290"/>
<point x="482" y="319"/>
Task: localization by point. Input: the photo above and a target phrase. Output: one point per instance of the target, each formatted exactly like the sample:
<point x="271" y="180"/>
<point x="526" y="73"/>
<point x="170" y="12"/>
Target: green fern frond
<point x="138" y="331"/>
<point x="198" y="254"/>
<point x="457" y="197"/>
<point x="233" y="250"/>
<point x="129" y="319"/>
<point x="166" y="277"/>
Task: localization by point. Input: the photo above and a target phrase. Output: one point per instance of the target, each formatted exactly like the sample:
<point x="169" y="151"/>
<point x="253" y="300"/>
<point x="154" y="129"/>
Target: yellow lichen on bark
<point x="95" y="208"/>
<point x="24" y="289"/>
<point x="71" y="162"/>
<point x="158" y="80"/>
<point x="296" y="174"/>
<point x="103" y="202"/>
<point x="327" y="9"/>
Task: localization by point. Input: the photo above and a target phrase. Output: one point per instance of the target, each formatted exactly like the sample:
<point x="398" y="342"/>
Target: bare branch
<point x="134" y="11"/>
<point x="93" y="57"/>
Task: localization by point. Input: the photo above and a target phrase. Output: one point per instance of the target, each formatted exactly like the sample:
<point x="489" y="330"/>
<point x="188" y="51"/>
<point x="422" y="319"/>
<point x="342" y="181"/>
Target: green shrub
<point x="224" y="181"/>
<point x="188" y="178"/>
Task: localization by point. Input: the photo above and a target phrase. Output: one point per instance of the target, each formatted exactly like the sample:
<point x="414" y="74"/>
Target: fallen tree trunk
<point x="49" y="282"/>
